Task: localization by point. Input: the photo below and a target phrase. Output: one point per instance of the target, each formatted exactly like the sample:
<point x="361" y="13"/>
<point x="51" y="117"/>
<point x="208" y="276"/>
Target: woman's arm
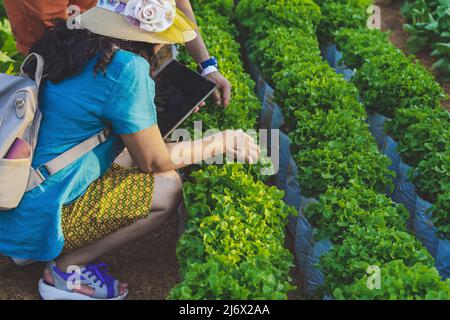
<point x="152" y="155"/>
<point x="197" y="49"/>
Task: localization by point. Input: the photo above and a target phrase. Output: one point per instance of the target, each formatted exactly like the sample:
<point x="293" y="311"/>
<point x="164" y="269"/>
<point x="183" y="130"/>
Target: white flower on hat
<point x="152" y="15"/>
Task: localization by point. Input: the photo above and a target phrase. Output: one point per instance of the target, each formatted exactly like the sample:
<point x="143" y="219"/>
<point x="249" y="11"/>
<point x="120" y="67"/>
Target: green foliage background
<point x="428" y="23"/>
<point x="10" y="59"/>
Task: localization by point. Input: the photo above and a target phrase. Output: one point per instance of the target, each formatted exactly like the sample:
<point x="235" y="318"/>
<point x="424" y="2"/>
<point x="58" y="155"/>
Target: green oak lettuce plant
<point x="312" y="86"/>
<point x="367" y="246"/>
<point x="280" y="48"/>
<point x="340" y="209"/>
<point x="398" y="282"/>
<point x="223" y="8"/>
<point x="405" y="117"/>
<point x="312" y="128"/>
<point x="343" y="164"/>
<point x="259" y="16"/>
<point x="359" y="46"/>
<point x="341" y="14"/>
<point x="211" y="280"/>
<point x="441" y="213"/>
<point x="432" y="175"/>
<point x="422" y="139"/>
<point x="387" y="80"/>
<point x="394" y="81"/>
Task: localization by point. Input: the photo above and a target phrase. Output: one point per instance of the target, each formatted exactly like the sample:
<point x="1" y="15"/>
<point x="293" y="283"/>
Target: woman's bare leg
<point x="124" y="159"/>
<point x="166" y="198"/>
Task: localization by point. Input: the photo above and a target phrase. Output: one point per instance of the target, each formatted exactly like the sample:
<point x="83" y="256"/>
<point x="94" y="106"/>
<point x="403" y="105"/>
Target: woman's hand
<point x="202" y="104"/>
<point x="239" y="145"/>
<point x="222" y="95"/>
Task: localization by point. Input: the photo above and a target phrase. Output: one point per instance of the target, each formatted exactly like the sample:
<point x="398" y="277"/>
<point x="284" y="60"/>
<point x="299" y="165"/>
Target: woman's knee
<point x="168" y="191"/>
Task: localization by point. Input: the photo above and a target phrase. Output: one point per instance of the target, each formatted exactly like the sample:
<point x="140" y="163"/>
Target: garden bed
<point x="234" y="243"/>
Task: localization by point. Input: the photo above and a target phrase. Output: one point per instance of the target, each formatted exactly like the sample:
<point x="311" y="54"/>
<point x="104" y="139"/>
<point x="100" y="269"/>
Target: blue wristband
<point x="209" y="63"/>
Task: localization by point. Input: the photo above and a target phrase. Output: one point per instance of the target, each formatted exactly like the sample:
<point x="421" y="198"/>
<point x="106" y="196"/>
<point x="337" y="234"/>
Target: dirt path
<point x="393" y="21"/>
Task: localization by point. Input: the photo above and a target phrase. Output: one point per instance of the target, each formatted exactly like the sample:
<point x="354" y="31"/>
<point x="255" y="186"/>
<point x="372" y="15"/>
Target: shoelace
<point x="100" y="271"/>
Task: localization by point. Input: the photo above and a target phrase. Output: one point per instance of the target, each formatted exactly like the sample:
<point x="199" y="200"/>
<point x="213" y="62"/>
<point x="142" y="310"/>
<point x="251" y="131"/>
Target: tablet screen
<point x="179" y="90"/>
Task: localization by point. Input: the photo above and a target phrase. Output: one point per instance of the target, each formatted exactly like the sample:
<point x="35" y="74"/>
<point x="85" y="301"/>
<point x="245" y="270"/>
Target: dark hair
<point x="67" y="51"/>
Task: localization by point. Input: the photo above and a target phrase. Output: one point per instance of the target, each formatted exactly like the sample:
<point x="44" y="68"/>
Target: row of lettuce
<point x="338" y="159"/>
<point x="428" y="23"/>
<point x="233" y="246"/>
<point x="10" y="59"/>
<point x="400" y="88"/>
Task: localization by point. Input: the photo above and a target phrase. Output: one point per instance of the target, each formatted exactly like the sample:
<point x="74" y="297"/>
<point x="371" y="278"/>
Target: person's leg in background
<point x="30" y="18"/>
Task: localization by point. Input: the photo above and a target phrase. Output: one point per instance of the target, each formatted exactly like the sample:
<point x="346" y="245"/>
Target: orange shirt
<point x="30" y="18"/>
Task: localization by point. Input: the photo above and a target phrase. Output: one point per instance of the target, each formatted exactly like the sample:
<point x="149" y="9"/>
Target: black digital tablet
<point x="179" y="90"/>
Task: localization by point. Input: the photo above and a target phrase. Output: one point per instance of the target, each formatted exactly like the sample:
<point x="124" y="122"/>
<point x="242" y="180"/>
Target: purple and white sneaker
<point x="94" y="275"/>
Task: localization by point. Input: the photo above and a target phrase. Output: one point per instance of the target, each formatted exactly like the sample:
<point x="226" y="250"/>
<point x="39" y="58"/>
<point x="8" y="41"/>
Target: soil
<point x="392" y="20"/>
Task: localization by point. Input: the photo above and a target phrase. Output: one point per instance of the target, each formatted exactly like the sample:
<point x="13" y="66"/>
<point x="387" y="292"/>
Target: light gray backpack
<point x="20" y="117"/>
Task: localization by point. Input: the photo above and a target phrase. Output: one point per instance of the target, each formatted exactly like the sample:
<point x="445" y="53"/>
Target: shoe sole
<point x="48" y="292"/>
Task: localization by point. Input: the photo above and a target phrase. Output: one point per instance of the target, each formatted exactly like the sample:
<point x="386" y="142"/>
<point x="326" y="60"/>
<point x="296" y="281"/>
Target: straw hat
<point x="152" y="21"/>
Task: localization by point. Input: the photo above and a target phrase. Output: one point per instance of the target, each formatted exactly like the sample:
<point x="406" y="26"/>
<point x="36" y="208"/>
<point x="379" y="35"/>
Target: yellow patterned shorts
<point x="118" y="199"/>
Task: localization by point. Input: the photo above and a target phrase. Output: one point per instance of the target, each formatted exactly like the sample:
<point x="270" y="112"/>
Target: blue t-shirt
<point x="74" y="110"/>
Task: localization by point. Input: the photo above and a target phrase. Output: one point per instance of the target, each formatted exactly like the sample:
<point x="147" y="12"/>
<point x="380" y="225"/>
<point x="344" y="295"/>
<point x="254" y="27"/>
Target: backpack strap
<point x="38" y="76"/>
<point x="43" y="172"/>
